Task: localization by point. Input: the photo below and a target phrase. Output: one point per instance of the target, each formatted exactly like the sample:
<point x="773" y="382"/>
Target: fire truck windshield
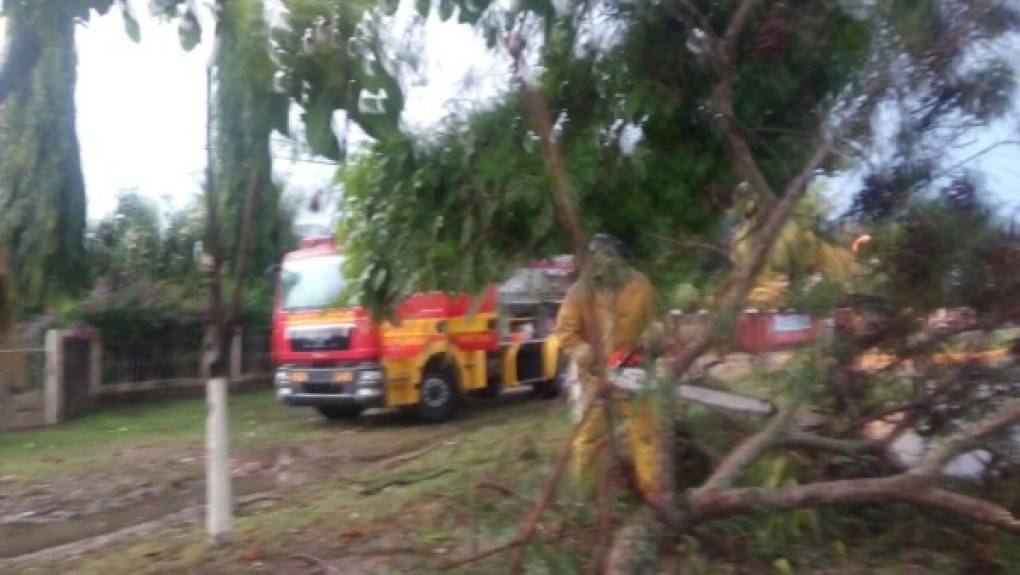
<point x="312" y="283"/>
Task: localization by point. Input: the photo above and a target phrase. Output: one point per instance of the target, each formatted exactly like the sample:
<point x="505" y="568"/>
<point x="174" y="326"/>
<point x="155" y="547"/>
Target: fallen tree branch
<point x="802" y="439"/>
<point x="912" y="486"/>
<point x="480" y="556"/>
<point x="489" y="483"/>
<point x="548" y="490"/>
<point x="884" y="414"/>
<point x="749" y="450"/>
<point x="604" y="523"/>
<point x="732" y="552"/>
<point x="635" y="547"/>
<point x="322" y="565"/>
<point x="711" y="505"/>
<point x="506" y="547"/>
<point x="967" y="439"/>
<point x="968" y="507"/>
<point x="403" y="482"/>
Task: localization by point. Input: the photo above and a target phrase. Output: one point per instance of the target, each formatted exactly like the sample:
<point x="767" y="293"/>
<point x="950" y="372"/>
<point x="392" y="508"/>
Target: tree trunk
<point x="215" y="353"/>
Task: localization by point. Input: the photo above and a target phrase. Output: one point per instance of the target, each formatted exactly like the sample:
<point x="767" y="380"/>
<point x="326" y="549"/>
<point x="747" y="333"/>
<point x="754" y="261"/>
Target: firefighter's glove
<point x="582" y="356"/>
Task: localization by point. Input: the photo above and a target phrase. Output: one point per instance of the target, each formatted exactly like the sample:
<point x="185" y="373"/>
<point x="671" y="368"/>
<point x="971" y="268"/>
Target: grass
<point x="90" y="442"/>
<point x="433" y="516"/>
<point x="427" y="521"/>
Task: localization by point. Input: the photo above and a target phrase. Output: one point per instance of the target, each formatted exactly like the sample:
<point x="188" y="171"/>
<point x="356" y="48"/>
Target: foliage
<point x="810" y="264"/>
<point x="151" y="310"/>
<point x="415" y="214"/>
<point x="643" y="158"/>
<point x="498" y="192"/>
<point x="144" y="310"/>
<point x="42" y="193"/>
<point x="127" y="241"/>
<point x="943" y="250"/>
<point x="149" y="275"/>
<point x="247" y="112"/>
<point x="331" y="60"/>
<point x="181" y="241"/>
<point x="684" y="296"/>
<point x="133" y="243"/>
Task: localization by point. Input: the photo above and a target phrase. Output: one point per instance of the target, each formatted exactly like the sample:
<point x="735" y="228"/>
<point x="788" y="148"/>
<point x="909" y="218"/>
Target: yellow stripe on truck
<point x="318" y="318"/>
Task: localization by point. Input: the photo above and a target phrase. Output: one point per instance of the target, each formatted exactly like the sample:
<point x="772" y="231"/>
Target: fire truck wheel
<point x="438" y="396"/>
<point x="340" y="411"/>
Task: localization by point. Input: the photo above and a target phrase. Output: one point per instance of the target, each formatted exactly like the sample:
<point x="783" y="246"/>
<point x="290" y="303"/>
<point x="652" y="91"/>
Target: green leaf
<point x="445" y="9"/>
<point x="131" y="26"/>
<point x="318" y="120"/>
<point x="103" y="6"/>
<point x="189" y="31"/>
<point x="423" y="7"/>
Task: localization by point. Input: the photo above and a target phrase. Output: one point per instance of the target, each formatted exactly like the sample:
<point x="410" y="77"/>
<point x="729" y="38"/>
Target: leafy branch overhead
<point x="646" y="132"/>
<point x="421" y="185"/>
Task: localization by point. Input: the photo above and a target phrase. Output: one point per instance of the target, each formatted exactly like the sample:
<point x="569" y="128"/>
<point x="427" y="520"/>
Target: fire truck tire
<point x="439" y="396"/>
<point x="340" y="411"/>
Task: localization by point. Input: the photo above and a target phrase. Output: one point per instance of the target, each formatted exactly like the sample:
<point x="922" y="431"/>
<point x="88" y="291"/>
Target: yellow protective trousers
<point x="644" y="433"/>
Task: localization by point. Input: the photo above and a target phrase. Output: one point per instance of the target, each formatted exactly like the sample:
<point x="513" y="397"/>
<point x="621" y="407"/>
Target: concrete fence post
<point x="236" y="351"/>
<point x="53" y="411"/>
<point x="219" y="504"/>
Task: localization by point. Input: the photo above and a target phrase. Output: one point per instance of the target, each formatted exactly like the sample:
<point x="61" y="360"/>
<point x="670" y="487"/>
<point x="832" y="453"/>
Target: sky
<point x="141" y="113"/>
<point x="141" y="107"/>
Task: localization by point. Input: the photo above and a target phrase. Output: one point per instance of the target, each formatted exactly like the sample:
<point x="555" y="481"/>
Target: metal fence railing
<point x="134" y="362"/>
<point x="175" y="359"/>
<point x="75" y="369"/>
<point x="255" y="352"/>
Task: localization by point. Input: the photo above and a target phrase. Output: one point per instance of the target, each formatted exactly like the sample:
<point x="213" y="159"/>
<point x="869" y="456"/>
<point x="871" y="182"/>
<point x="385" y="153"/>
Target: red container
<point x="769" y="331"/>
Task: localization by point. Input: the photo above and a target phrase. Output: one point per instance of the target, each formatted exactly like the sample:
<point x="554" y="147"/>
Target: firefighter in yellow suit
<point x="625" y="310"/>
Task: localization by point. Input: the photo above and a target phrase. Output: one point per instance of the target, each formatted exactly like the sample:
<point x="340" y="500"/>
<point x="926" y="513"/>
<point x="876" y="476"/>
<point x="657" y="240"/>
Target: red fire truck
<point x="439" y="348"/>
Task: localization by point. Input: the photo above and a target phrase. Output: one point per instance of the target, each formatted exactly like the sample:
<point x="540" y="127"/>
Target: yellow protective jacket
<point x="623" y="314"/>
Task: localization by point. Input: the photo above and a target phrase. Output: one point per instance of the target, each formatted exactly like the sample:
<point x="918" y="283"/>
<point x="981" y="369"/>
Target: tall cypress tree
<point x="42" y="192"/>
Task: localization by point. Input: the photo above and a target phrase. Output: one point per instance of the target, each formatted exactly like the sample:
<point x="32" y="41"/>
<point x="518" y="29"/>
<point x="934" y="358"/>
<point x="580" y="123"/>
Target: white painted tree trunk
<point x="219" y="503"/>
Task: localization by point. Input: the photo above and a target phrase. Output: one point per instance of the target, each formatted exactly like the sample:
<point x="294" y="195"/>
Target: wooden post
<point x="54" y="397"/>
<point x="219" y="503"/>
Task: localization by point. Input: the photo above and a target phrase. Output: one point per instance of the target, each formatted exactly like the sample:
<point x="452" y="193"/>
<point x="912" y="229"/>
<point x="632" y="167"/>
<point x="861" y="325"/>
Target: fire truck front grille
<point x="322" y="388"/>
<point x="320" y="340"/>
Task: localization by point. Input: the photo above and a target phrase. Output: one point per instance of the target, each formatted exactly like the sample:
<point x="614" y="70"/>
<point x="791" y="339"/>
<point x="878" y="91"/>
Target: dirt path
<point x="145" y="481"/>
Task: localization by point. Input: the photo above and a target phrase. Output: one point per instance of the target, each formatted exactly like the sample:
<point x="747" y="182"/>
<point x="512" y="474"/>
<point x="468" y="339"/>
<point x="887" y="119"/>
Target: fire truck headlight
<point x="282" y="378"/>
<point x="372" y="377"/>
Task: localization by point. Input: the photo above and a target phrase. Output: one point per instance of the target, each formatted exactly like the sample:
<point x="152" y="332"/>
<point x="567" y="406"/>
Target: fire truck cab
<point x="439" y="348"/>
